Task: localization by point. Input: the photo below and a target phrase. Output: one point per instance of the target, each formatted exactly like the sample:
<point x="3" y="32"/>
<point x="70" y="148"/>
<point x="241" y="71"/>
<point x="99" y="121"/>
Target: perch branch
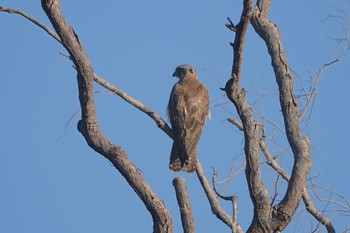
<point x="158" y="120"/>
<point x="88" y="125"/>
<point x="152" y="114"/>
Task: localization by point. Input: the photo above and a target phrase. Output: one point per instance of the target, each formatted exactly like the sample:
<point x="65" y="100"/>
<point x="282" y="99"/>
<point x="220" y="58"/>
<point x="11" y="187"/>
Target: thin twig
<point x="213" y="201"/>
<point x="332" y="192"/>
<point x="159" y="121"/>
<point x="306" y="198"/>
<point x="312" y="94"/>
<point x="276" y="191"/>
<point x="233" y="199"/>
<point x="230" y="25"/>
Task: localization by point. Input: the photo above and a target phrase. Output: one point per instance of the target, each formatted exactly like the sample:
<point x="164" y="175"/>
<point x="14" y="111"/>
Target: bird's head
<point x="184" y="71"/>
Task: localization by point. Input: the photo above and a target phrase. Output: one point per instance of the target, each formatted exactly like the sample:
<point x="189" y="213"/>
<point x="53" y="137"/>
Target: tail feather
<point x="190" y="164"/>
<point x="175" y="161"/>
<point x="180" y="160"/>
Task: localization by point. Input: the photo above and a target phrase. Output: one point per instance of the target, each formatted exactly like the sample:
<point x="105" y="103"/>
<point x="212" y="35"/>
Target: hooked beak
<point x="175" y="74"/>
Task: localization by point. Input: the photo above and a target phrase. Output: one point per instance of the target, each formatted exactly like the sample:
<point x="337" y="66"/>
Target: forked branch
<point x="232" y="198"/>
<point x="299" y="144"/>
<point x="306" y="197"/>
<point x="161" y="123"/>
<point x="251" y="128"/>
<point x="213" y="200"/>
<point x="88" y="124"/>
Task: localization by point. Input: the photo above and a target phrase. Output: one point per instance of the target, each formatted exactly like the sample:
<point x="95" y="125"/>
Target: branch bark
<point x="233" y="199"/>
<point x="89" y="127"/>
<point x="265" y="217"/>
<point x="184" y="204"/>
<point x="251" y="128"/>
<point x="213" y="200"/>
<point x="158" y="120"/>
<point x="300" y="145"/>
<point x="32" y="19"/>
<point x="306" y="197"/>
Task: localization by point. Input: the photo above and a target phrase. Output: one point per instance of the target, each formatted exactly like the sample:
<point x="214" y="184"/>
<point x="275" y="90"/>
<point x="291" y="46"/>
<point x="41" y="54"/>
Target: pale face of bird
<point x="184" y="71"/>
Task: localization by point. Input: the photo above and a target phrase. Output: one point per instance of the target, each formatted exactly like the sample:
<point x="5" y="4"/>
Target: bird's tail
<point x="181" y="160"/>
<point x="190" y="163"/>
<point x="175" y="161"/>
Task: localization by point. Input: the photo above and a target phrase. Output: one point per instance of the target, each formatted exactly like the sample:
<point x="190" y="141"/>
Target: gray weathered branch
<point x="184" y="204"/>
<point x="306" y="197"/>
<point x="88" y="124"/>
<point x="233" y="199"/>
<point x="213" y="200"/>
<point x="268" y="31"/>
<point x="251" y="128"/>
<point x="159" y="121"/>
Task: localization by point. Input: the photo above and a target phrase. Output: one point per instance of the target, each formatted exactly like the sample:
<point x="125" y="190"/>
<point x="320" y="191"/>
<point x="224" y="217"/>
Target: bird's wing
<point x="187" y="109"/>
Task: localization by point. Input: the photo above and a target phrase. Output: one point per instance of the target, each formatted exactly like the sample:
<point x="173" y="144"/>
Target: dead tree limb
<point x="32" y="19"/>
<point x="299" y="144"/>
<point x="251" y="128"/>
<point x="184" y="204"/>
<point x="98" y="79"/>
<point x="306" y="197"/>
<point x="233" y="199"/>
<point x="161" y="123"/>
<point x="213" y="200"/>
<point x="88" y="125"/>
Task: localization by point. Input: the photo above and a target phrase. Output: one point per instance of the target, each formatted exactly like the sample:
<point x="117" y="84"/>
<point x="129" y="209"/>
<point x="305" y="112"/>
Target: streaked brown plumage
<point x="188" y="108"/>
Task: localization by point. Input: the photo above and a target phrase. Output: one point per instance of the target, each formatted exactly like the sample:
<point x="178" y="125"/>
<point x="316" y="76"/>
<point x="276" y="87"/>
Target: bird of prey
<point x="188" y="108"/>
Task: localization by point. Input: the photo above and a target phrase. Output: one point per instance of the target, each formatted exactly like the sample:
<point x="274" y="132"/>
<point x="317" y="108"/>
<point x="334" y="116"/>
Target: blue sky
<point x="53" y="182"/>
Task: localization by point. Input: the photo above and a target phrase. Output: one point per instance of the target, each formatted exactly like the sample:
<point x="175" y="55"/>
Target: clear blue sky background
<point x="51" y="181"/>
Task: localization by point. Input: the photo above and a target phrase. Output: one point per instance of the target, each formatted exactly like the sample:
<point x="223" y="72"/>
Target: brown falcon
<point x="188" y="108"/>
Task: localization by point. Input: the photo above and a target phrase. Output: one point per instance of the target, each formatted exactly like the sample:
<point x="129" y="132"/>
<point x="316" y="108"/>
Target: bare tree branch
<point x="213" y="200"/>
<point x="159" y="121"/>
<point x="251" y="128"/>
<point x="184" y="204"/>
<point x="310" y="96"/>
<point x="317" y="215"/>
<point x="306" y="198"/>
<point x="32" y="19"/>
<point x="233" y="199"/>
<point x="266" y="218"/>
<point x="88" y="125"/>
<point x="346" y="206"/>
<point x="300" y="145"/>
<point x="236" y="123"/>
<point x="276" y="190"/>
<point x="231" y="175"/>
